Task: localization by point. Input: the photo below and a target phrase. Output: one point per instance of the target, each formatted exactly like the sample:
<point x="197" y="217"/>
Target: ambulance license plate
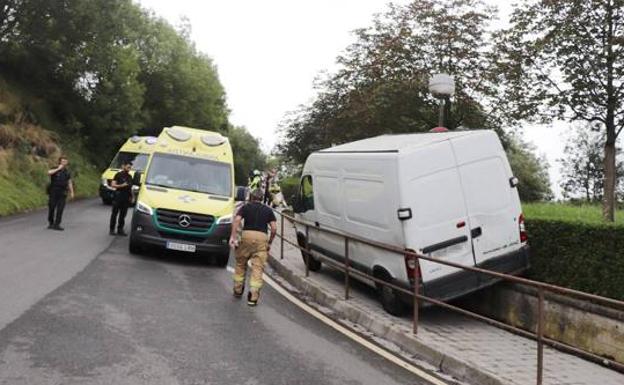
<point x="181" y="247"/>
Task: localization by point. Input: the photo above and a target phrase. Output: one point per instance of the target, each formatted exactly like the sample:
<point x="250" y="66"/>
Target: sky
<point x="269" y="52"/>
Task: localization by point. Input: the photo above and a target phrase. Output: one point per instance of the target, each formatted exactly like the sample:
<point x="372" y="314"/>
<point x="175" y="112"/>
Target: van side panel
<point x="357" y="194"/>
<point x="431" y="188"/>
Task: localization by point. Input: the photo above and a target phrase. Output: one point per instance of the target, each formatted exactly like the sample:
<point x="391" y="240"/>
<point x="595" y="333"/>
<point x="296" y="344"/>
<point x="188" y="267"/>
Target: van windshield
<point x="190" y="174"/>
<point x="139" y="161"/>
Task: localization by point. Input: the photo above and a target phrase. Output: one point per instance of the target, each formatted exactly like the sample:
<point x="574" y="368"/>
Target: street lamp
<point x="442" y="86"/>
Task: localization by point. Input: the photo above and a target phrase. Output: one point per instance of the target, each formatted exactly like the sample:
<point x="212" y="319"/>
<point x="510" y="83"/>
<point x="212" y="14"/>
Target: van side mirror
<point x="241" y="194"/>
<point x="136" y="179"/>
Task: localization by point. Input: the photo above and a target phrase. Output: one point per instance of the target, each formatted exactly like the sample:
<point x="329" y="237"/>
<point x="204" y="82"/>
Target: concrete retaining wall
<point x="594" y="328"/>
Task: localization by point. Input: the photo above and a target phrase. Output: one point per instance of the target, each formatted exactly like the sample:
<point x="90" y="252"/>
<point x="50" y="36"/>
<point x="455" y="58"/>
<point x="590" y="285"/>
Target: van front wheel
<point x="313" y="264"/>
<point x="389" y="297"/>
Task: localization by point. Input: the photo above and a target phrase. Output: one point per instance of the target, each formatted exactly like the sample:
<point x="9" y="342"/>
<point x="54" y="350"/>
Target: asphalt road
<point x="76" y="308"/>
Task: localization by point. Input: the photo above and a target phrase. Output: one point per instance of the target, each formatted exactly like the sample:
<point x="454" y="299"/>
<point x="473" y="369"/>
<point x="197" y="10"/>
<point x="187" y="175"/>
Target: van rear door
<point x="439" y="224"/>
<point x="492" y="202"/>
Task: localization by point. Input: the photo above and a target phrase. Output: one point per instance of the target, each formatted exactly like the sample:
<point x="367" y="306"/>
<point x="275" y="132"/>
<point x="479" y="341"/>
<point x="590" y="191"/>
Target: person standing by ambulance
<point x="122" y="183"/>
<point x="60" y="184"/>
<point x="254" y="245"/>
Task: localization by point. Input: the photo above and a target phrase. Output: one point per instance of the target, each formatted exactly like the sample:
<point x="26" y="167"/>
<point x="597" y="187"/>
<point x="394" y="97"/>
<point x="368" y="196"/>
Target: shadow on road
<point x="171" y="257"/>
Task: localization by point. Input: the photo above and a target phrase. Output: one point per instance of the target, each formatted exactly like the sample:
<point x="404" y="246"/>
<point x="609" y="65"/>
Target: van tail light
<point x="524" y="237"/>
<point x="411" y="265"/>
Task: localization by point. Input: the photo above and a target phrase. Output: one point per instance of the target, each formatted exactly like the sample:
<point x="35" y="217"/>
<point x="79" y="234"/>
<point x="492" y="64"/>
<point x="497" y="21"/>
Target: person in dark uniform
<point x="60" y="184"/>
<point x="122" y="183"/>
<point x="254" y="244"/>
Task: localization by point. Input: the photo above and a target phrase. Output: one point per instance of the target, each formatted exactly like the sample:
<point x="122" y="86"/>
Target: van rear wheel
<point x="313" y="264"/>
<point x="389" y="297"/>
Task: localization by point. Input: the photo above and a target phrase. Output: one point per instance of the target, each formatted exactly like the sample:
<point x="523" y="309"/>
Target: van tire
<point x="389" y="297"/>
<point x="313" y="264"/>
<point x="221" y="260"/>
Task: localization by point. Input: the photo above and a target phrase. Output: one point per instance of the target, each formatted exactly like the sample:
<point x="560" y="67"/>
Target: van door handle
<point x="476" y="232"/>
<point x="317" y="224"/>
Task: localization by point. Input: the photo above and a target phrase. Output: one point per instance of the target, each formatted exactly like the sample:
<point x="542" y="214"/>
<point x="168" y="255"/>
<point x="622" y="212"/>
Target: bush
<point x="586" y="256"/>
<point x="289" y="188"/>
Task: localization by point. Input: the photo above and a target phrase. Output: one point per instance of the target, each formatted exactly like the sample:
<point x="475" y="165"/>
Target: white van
<point x="448" y="195"/>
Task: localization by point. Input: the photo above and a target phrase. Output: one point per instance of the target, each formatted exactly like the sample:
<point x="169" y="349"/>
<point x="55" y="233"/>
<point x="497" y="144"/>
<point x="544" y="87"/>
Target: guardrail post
<point x="416" y="290"/>
<point x="282" y="237"/>
<point x="307" y="254"/>
<point x="540" y="336"/>
<point x="347" y="268"/>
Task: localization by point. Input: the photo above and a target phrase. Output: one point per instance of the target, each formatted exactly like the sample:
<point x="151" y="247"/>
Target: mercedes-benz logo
<point x="184" y="220"/>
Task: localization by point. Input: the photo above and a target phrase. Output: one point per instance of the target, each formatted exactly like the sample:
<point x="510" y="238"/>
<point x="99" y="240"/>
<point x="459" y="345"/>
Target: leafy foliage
<point x="587" y="256"/>
<point x="583" y="166"/>
<point x="382" y="85"/>
<point x="565" y="60"/>
<point x="289" y="187"/>
<point x="110" y="69"/>
<point x="531" y="171"/>
<point x="247" y="154"/>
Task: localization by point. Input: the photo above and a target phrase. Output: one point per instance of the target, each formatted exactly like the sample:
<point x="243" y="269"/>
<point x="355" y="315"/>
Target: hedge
<point x="583" y="256"/>
<point x="289" y="188"/>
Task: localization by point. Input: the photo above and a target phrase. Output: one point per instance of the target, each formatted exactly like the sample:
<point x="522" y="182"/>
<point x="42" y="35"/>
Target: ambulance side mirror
<point x="136" y="179"/>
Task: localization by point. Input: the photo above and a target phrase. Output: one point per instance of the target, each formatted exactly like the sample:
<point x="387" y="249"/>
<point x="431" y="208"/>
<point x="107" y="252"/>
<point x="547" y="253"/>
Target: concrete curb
<point x="445" y="361"/>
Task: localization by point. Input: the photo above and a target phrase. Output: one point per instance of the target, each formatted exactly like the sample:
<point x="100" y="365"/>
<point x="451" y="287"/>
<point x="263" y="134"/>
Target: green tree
<point x="247" y="154"/>
<point x="181" y="85"/>
<point x="382" y="85"/>
<point x="565" y="60"/>
<point x="582" y="167"/>
<point x="531" y="170"/>
<point x="109" y="69"/>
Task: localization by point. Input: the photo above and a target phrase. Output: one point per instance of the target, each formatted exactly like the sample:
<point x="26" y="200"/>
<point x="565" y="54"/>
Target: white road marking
<point x="350" y="334"/>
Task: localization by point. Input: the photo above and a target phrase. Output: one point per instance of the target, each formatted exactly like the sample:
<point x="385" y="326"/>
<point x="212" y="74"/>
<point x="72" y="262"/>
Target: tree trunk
<point x="608" y="209"/>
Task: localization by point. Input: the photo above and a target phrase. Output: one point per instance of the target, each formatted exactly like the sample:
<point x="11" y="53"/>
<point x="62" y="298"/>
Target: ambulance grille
<point x="178" y="220"/>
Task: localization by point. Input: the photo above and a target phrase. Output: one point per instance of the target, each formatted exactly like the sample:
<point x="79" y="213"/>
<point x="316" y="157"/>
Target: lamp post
<point x="442" y="86"/>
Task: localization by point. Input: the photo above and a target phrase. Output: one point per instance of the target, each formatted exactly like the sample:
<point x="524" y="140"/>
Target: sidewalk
<point x="469" y="350"/>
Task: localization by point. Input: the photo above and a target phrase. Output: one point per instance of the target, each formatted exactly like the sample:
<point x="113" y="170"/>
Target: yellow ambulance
<point x="187" y="197"/>
<point x="137" y="149"/>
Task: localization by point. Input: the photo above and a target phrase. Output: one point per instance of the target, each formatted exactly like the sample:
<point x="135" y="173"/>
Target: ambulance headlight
<point x="225" y="220"/>
<point x="143" y="208"/>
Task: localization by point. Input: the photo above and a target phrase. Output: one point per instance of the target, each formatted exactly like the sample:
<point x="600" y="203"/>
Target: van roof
<point x="399" y="142"/>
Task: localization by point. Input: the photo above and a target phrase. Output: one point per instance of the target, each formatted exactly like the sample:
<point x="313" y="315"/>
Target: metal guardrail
<point x="541" y="287"/>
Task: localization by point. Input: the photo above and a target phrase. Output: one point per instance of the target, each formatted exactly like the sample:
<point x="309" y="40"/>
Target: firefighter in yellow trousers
<point x="254" y="245"/>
